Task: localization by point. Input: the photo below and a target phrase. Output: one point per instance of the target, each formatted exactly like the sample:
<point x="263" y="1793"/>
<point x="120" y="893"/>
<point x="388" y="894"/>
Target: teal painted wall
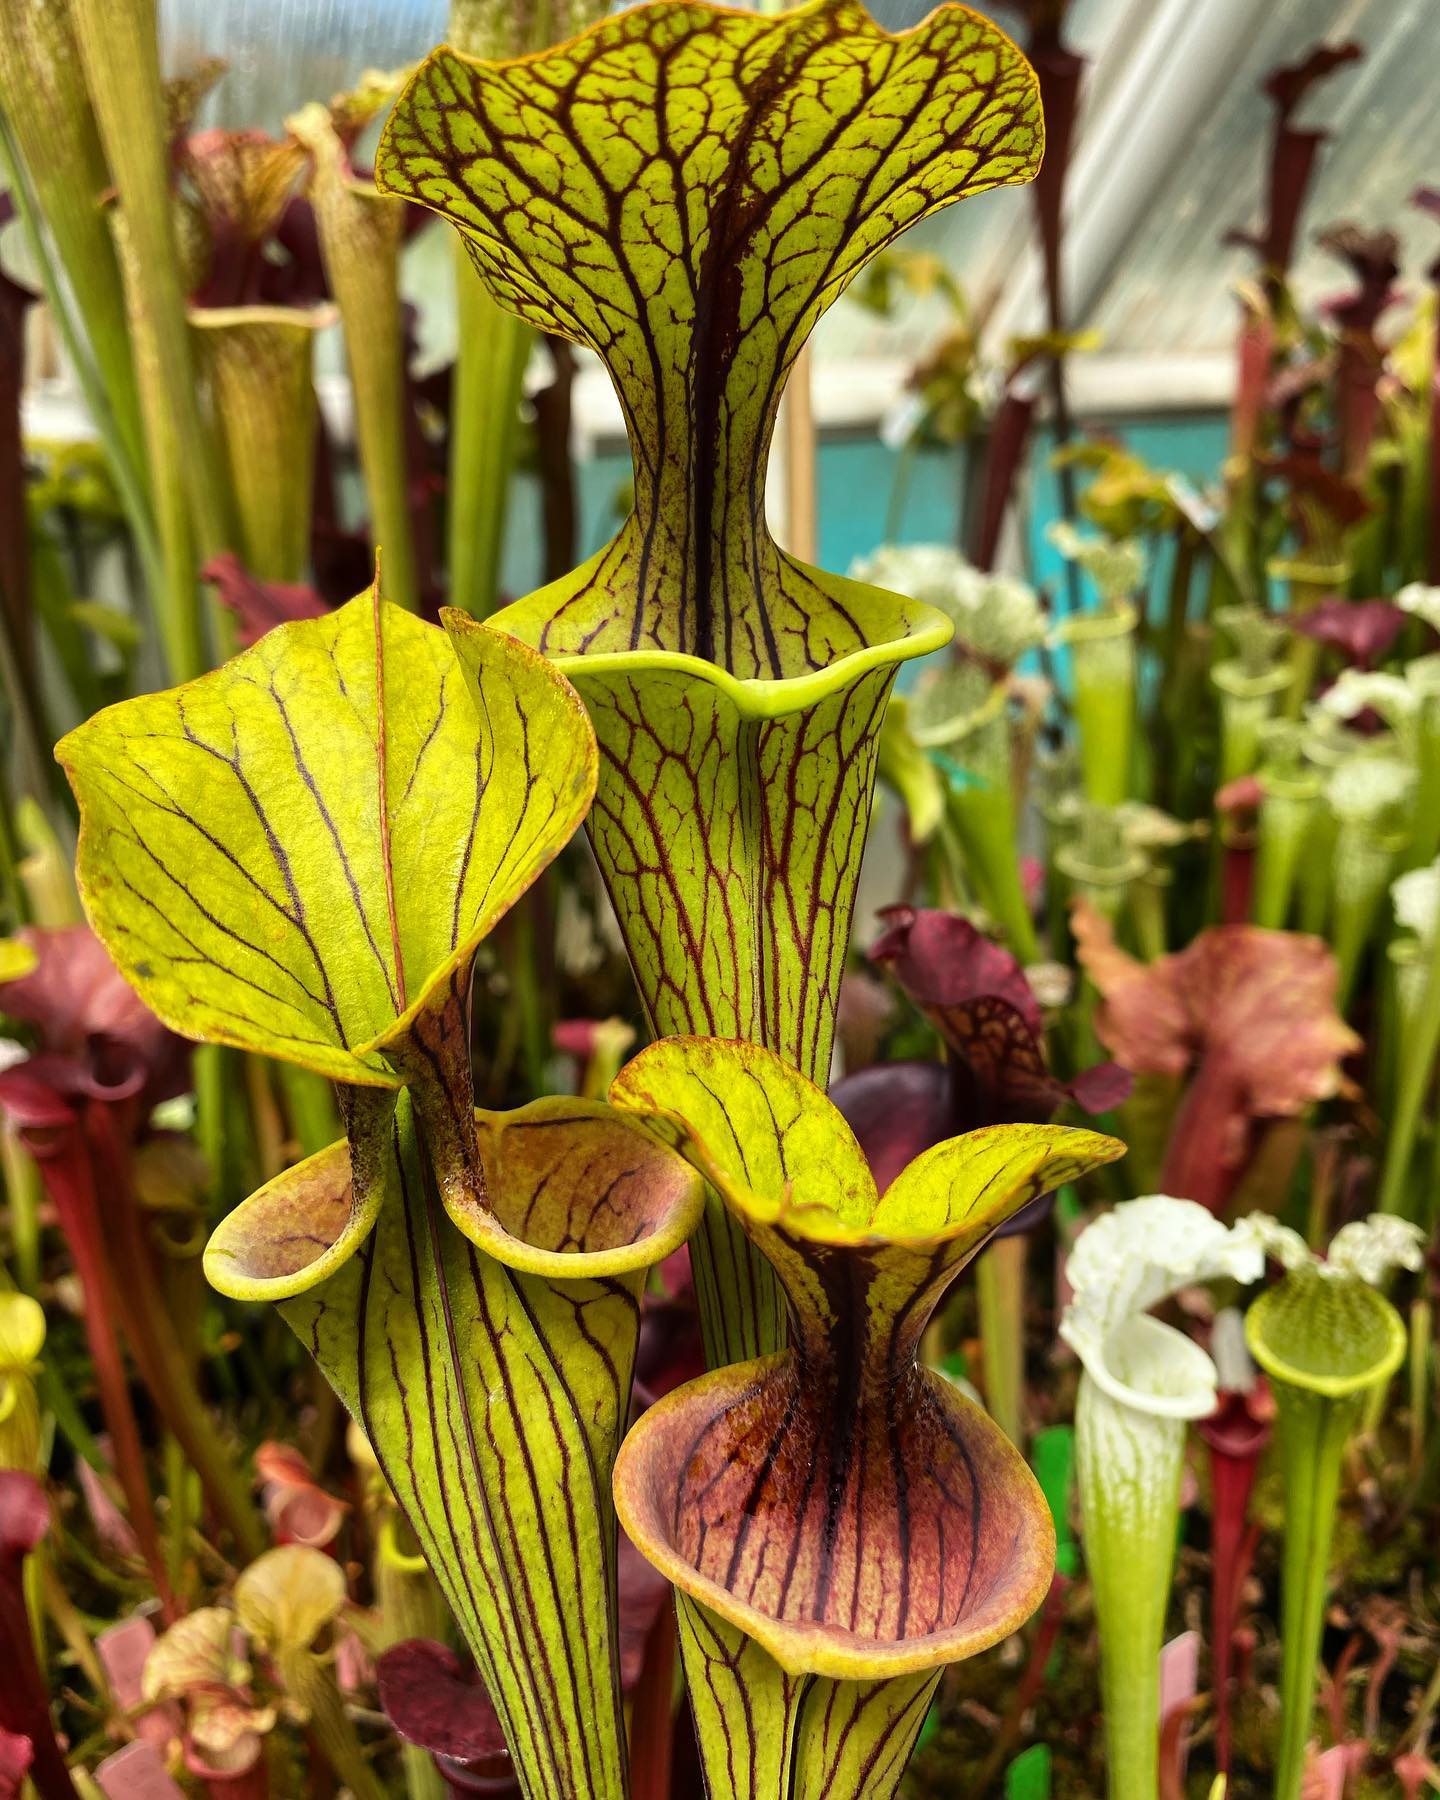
<point x="858" y="479"/>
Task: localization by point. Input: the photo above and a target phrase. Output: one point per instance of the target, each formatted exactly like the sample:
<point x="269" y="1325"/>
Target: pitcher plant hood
<point x="301" y="852"/>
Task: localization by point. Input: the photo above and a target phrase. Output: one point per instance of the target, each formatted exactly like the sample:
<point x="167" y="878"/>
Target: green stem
<point x="1422" y="1335"/>
<point x="175" y="597"/>
<point x="213" y="1069"/>
<point x="1424" y="675"/>
<point x="28" y="732"/>
<point x="1170" y="711"/>
<point x="257" y="366"/>
<point x="1000" y="1286"/>
<point x="1364" y="860"/>
<point x="1247" y="703"/>
<point x="120" y="52"/>
<point x="528" y="990"/>
<point x="313" y="1691"/>
<point x="12" y="885"/>
<point x="1313" y="1434"/>
<point x="1286" y="814"/>
<point x="23" y="1188"/>
<point x="1316" y="862"/>
<point x="900" y="489"/>
<point x="1102" y="650"/>
<point x="980" y="801"/>
<point x="489" y="377"/>
<point x="765" y="1734"/>
<point x="1401" y="991"/>
<point x="180" y="1517"/>
<point x="99" y="389"/>
<point x="1416" y="1067"/>
<point x="1305" y="650"/>
<point x="985" y="824"/>
<point x="360" y="231"/>
<point x="1130" y="1464"/>
<point x="1147" y="914"/>
<point x="310" y="1107"/>
<point x="48" y="126"/>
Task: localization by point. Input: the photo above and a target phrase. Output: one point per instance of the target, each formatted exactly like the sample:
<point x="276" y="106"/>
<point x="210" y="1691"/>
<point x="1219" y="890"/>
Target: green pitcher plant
<point x="685" y="188"/>
<point x="492" y="345"/>
<point x="1327" y="1339"/>
<point x="256" y="363"/>
<point x="1102" y="648"/>
<point x="839" y="1522"/>
<point x="360" y="236"/>
<point x="1143" y="1381"/>
<point x="1292" y="796"/>
<point x="300" y="855"/>
<point x="1370" y="798"/>
<point x="959" y="719"/>
<point x="1251" y="684"/>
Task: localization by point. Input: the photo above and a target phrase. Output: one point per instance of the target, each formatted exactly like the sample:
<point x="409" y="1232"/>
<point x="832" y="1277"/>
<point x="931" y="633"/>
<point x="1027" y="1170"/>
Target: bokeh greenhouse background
<point x="1170" y="155"/>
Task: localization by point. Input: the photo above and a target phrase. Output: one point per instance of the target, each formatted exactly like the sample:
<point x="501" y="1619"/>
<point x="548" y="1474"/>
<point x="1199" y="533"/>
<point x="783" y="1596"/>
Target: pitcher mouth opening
<point x="631" y="1202"/>
<point x="888" y="629"/>
<point x="990" y="1546"/>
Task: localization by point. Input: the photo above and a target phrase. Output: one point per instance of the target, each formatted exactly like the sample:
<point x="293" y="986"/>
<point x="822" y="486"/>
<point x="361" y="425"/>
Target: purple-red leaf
<point x="1363" y="631"/>
<point x="433" y="1700"/>
<point x="1248" y="1014"/>
<point x="976" y="995"/>
<point x="1374" y="260"/>
<point x="944" y="963"/>
<point x="1288" y="85"/>
<point x="259" y="606"/>
<point x="96" y="1036"/>
<point x="897" y="1110"/>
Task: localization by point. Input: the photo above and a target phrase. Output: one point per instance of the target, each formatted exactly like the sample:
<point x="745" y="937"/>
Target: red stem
<point x="1335" y="1700"/>
<point x="145" y="1319"/>
<point x="1009" y="436"/>
<point x="69" y="1177"/>
<point x="1172" y="1748"/>
<point x="1257" y="343"/>
<point x="652" y="1717"/>
<point x="1210" y="1119"/>
<point x="1232" y="1478"/>
<point x="1060" y="71"/>
<point x="1238" y="879"/>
